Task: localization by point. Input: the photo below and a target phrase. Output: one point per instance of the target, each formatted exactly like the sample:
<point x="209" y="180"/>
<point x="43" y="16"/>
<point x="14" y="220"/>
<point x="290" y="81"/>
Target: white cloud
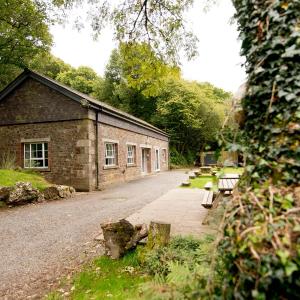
<point x="219" y="61"/>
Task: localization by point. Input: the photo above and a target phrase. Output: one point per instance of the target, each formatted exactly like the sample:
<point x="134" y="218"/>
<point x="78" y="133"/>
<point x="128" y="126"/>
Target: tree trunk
<point x="159" y="235"/>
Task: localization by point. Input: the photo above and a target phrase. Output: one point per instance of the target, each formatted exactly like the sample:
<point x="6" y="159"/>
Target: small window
<point x="36" y="155"/>
<point x="157" y="162"/>
<point x="164" y="155"/>
<point x="131" y="154"/>
<point x="110" y="154"/>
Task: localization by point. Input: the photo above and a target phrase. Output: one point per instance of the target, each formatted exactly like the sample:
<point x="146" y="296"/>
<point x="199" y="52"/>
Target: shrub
<point x="180" y="270"/>
<point x="8" y="160"/>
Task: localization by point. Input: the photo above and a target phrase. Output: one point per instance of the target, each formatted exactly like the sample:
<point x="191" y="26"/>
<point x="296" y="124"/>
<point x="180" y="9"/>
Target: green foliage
<point x="143" y="70"/>
<point x="177" y="159"/>
<point x="180" y="270"/>
<point x="49" y="65"/>
<point x="83" y="79"/>
<point x="24" y="33"/>
<point x="158" y="23"/>
<point x="191" y="113"/>
<point x="183" y="250"/>
<point x="261" y="236"/>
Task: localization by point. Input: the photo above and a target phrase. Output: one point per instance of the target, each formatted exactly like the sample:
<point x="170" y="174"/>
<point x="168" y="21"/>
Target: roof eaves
<point x="11" y="86"/>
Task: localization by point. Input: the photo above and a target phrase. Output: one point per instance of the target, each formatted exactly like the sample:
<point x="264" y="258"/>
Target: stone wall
<point x="122" y="172"/>
<point x="71" y="155"/>
<point x="34" y="102"/>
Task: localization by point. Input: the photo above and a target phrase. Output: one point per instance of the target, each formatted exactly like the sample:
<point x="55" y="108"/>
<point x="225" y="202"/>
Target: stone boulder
<point x="4" y="193"/>
<point x="56" y="192"/>
<point x="122" y="236"/>
<point x="22" y="193"/>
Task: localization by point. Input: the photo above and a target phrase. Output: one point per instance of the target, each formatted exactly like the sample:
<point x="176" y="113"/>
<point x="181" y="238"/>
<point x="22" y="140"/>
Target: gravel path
<point x="41" y="242"/>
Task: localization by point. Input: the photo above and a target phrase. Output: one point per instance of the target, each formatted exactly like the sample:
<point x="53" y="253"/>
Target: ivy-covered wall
<point x="262" y="233"/>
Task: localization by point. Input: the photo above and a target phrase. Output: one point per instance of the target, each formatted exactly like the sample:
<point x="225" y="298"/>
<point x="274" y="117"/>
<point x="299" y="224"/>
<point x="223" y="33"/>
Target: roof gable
<point x="75" y="95"/>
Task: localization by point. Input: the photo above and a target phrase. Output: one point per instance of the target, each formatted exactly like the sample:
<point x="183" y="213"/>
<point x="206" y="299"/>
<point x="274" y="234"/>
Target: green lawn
<point x="200" y="182"/>
<point x="10" y="177"/>
<point x="107" y="279"/>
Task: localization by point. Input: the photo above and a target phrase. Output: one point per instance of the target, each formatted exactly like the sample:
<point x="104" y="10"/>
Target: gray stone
<point x="57" y="192"/>
<point x="122" y="236"/>
<point x="4" y="193"/>
<point x="24" y="192"/>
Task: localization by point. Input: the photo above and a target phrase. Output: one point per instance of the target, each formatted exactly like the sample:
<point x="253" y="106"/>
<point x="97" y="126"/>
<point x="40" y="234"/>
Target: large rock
<point x="4" y="193"/>
<point x="24" y="192"/>
<point x="57" y="192"/>
<point x="121" y="236"/>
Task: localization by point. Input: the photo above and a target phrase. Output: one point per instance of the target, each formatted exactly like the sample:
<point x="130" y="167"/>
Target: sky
<point x="219" y="61"/>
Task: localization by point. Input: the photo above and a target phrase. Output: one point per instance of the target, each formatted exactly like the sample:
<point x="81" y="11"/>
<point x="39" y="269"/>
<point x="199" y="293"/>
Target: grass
<point x="107" y="279"/>
<point x="199" y="182"/>
<point x="11" y="177"/>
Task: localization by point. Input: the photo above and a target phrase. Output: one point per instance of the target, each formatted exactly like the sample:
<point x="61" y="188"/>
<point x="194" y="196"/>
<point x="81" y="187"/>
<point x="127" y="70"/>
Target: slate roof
<point x="77" y="96"/>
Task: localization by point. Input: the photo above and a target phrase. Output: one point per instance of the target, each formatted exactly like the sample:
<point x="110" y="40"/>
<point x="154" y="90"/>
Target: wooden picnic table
<point x="227" y="184"/>
<point x="230" y="176"/>
<point x="206" y="169"/>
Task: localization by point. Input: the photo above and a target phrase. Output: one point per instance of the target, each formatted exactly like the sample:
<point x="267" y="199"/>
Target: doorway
<point x="146" y="161"/>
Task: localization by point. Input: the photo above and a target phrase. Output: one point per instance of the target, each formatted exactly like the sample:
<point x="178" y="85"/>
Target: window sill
<point x="131" y="165"/>
<point x="38" y="169"/>
<point x="110" y="167"/>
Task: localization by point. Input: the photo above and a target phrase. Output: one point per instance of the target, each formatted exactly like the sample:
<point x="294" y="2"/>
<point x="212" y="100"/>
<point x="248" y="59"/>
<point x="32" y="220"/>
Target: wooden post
<point x="159" y="235"/>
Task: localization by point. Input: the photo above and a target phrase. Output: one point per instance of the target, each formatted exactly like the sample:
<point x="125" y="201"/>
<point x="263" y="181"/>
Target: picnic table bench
<point x="230" y="176"/>
<point x="208" y="186"/>
<point x="207" y="199"/>
<point x="227" y="184"/>
<point x="205" y="169"/>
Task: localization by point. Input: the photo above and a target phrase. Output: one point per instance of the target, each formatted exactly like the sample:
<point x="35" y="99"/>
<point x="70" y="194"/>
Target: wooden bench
<point x="207" y="199"/>
<point x="185" y="183"/>
<point x="227" y="184"/>
<point x="230" y="176"/>
<point x="208" y="186"/>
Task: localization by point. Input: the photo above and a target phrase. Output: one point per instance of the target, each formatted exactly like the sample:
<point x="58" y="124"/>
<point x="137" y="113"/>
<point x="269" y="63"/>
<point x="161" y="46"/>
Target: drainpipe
<point x="97" y="150"/>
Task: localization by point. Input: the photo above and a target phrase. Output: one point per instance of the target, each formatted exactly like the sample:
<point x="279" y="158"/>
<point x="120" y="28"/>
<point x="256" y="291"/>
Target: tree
<point x="83" y="79"/>
<point x="156" y="23"/>
<point x="191" y="114"/>
<point x="49" y="65"/>
<point x="24" y="33"/>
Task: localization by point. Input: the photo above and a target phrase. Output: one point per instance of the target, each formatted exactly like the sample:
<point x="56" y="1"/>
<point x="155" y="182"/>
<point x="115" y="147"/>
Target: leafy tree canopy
<point x="49" y="65"/>
<point x="83" y="79"/>
<point x="24" y="33"/>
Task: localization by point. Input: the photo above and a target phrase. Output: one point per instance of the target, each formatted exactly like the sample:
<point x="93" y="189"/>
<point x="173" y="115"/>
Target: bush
<point x="179" y="160"/>
<point x="8" y="160"/>
<point x="181" y="269"/>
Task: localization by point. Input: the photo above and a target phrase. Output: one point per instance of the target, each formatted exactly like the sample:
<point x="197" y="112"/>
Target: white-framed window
<point x="164" y="155"/>
<point x="157" y="161"/>
<point x="131" y="154"/>
<point x="36" y="155"/>
<point x="110" y="154"/>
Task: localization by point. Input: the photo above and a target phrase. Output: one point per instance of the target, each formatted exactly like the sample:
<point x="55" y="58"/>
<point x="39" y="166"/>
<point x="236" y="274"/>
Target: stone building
<point x="73" y="139"/>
